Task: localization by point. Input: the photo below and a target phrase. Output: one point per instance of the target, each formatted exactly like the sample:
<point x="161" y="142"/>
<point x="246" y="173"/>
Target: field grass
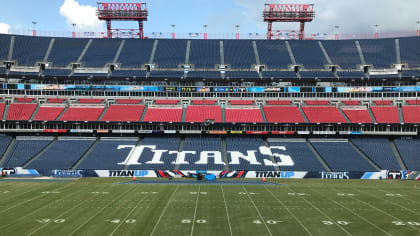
<point x="301" y="207"/>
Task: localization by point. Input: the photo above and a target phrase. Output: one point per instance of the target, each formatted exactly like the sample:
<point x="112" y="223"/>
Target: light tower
<point x="288" y="13"/>
<point x="122" y="12"/>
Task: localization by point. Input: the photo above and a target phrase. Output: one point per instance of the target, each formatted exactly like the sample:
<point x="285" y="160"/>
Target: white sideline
<point x="128" y="215"/>
<point x="227" y="214"/>
<point x="97" y="213"/>
<point x="163" y="211"/>
<point x="396" y="204"/>
<point x="258" y="211"/>
<point x="361" y="217"/>
<point x="316" y="208"/>
<point x="195" y="210"/>
<point x="291" y="213"/>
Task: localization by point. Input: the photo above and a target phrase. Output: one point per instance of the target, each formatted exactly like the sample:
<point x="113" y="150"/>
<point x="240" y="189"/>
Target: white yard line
<point x="319" y="210"/>
<point x="195" y="210"/>
<point x="291" y="213"/>
<point x="41" y="195"/>
<point x="97" y="213"/>
<point x="227" y="213"/>
<point x="384" y="212"/>
<point x="128" y="215"/>
<point x="258" y="211"/>
<point x="163" y="211"/>
<point x="361" y="217"/>
<point x="396" y="204"/>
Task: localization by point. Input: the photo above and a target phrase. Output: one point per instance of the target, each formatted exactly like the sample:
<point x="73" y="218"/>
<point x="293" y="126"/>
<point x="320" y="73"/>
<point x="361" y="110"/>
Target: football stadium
<point x="136" y="132"/>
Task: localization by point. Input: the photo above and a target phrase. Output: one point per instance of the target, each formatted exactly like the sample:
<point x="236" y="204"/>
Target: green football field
<point x="299" y="207"/>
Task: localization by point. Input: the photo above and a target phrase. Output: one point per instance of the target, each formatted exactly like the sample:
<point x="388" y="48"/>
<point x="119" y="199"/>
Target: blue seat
<point x="29" y="50"/>
<point x="101" y="52"/>
<point x="409" y="151"/>
<point x="343" y="53"/>
<point x="239" y="54"/>
<point x="135" y="53"/>
<point x="170" y="53"/>
<point x="308" y="53"/>
<point x="209" y="48"/>
<point x="22" y="151"/>
<point x="273" y="54"/>
<point x="379" y="151"/>
<point x="200" y="144"/>
<point x="66" y="51"/>
<point x="379" y="53"/>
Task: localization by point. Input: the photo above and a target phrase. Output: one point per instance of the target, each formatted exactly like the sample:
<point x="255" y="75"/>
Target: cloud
<point x="356" y="16"/>
<point x="4" y="28"/>
<point x="84" y="16"/>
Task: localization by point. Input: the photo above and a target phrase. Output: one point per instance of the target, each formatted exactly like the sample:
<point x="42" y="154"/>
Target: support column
<point x="302" y="30"/>
<point x="108" y="29"/>
<point x="270" y="25"/>
<point x="141" y="33"/>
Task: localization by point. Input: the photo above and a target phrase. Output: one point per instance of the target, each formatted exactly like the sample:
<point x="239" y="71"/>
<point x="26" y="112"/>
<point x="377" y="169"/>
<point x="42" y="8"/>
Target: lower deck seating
<point x="379" y="151"/>
<point x="167" y="157"/>
<point x="163" y="115"/>
<point x="411" y="114"/>
<point x="304" y="159"/>
<point x="22" y="151"/>
<point x="409" y="151"/>
<point x="243" y="115"/>
<point x="123" y="113"/>
<point x="202" y="113"/>
<point x="275" y="114"/>
<point x="245" y="150"/>
<point x="358" y="115"/>
<point x="341" y="156"/>
<point x="106" y="155"/>
<point x="61" y="155"/>
<point x="2" y="106"/>
<point x="386" y="114"/>
<point x="4" y="143"/>
<point x="82" y="114"/>
<point x="323" y="114"/>
<point x="48" y="113"/>
<point x="213" y="160"/>
<point x="18" y="111"/>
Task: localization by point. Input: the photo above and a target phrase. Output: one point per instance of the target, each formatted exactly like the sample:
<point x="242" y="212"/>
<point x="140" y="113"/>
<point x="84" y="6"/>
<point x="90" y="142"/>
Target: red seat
<point x="283" y="115"/>
<point x="128" y="101"/>
<point x="318" y="103"/>
<point x="21" y="111"/>
<point x="90" y="101"/>
<point x="166" y="102"/>
<point x="163" y="115"/>
<point x="202" y="113"/>
<point x="204" y="102"/>
<point x="358" y="115"/>
<point x="243" y="115"/>
<point x="2" y="106"/>
<point x="26" y="100"/>
<point x="56" y="100"/>
<point x="323" y="115"/>
<point x="123" y="113"/>
<point x="386" y="114"/>
<point x="48" y="113"/>
<point x="351" y="103"/>
<point x="411" y="114"/>
<point x="279" y="102"/>
<point x="413" y="102"/>
<point x="82" y="114"/>
<point x="383" y="103"/>
<point x="241" y="102"/>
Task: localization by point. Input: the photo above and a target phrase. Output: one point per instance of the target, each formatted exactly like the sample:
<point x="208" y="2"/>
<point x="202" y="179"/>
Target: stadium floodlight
<point x="173" y="31"/>
<point x="74" y="30"/>
<point x="205" y="31"/>
<point x="418" y="27"/>
<point x="34" y="29"/>
<point x="301" y="13"/>
<point x="122" y="12"/>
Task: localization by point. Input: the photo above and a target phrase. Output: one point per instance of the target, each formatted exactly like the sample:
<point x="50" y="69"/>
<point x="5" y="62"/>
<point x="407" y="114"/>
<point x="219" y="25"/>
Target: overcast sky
<point x="355" y="16"/>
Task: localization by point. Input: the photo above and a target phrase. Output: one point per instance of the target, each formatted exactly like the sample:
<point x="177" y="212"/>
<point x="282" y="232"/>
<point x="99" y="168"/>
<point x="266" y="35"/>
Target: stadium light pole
<point x="336" y="32"/>
<point x="173" y="31"/>
<point x="376" y="31"/>
<point x="418" y="27"/>
<point x="34" y="29"/>
<point x="205" y="31"/>
<point x="237" y="31"/>
<point x="73" y="34"/>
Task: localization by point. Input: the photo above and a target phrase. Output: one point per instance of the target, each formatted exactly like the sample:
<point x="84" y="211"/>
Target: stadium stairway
<point x="126" y="167"/>
<point x="89" y="150"/>
<point x="6" y="110"/>
<point x="372" y="116"/>
<point x="263" y="114"/>
<point x="8" y="149"/>
<point x="223" y="114"/>
<point x="184" y="113"/>
<point x="62" y="113"/>
<point x="362" y="154"/>
<point x="180" y="149"/>
<point x="318" y="156"/>
<point x="400" y="115"/>
<point x="303" y="115"/>
<point x="34" y="113"/>
<point x="103" y="113"/>
<point x="40" y="153"/>
<point x="276" y="168"/>
<point x="398" y="155"/>
<point x="224" y="153"/>
<point x="144" y="112"/>
<point x="344" y="115"/>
